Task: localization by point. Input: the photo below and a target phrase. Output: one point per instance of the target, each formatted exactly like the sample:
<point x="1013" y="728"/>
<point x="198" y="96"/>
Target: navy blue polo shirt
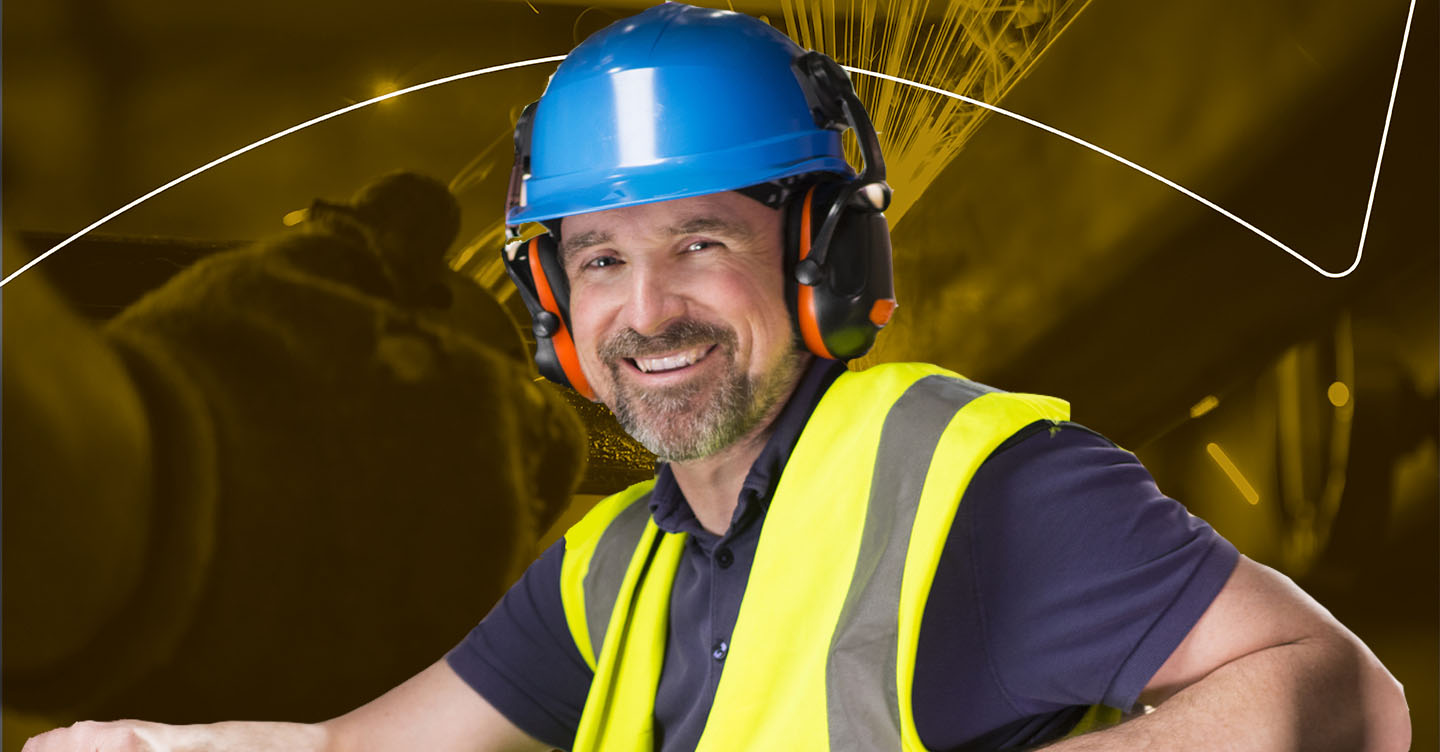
<point x="1066" y="581"/>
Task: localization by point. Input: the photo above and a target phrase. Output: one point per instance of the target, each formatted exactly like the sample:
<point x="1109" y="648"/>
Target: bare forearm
<point x="1315" y="694"/>
<point x="242" y="736"/>
<point x="140" y="736"/>
<point x="434" y="711"/>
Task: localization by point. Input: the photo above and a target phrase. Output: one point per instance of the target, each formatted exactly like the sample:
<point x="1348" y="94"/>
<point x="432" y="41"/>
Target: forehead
<point x="726" y="214"/>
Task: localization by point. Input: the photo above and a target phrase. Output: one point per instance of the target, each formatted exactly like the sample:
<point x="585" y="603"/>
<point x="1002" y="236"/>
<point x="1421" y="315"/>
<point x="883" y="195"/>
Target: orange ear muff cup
<point x="805" y="296"/>
<point x="561" y="341"/>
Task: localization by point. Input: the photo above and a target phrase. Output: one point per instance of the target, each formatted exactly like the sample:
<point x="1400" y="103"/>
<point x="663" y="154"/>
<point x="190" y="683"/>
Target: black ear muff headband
<point x="837" y="244"/>
<point x="836" y="232"/>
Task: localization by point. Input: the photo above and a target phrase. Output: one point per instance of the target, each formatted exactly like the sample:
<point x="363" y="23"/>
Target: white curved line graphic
<point x="1359" y="251"/>
<point x="268" y="139"/>
<point x="1369" y="204"/>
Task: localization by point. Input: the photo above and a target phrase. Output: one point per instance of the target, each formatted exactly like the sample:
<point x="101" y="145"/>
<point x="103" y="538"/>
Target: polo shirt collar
<point x="667" y="503"/>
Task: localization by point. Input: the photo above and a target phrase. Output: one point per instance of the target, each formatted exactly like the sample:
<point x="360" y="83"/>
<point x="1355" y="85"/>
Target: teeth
<point x="670" y="362"/>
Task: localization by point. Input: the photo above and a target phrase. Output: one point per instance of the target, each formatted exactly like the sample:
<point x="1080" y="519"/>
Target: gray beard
<point x="699" y="418"/>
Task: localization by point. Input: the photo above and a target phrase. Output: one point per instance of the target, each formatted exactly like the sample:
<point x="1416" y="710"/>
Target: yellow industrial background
<point x="1296" y="413"/>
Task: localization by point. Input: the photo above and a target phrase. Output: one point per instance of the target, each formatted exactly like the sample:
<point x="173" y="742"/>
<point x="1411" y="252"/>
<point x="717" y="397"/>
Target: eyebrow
<point x="691" y="226"/>
<point x="716" y="225"/>
<point x="573" y="243"/>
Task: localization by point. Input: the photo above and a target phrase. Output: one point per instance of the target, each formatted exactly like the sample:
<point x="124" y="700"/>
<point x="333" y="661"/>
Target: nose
<point x="655" y="300"/>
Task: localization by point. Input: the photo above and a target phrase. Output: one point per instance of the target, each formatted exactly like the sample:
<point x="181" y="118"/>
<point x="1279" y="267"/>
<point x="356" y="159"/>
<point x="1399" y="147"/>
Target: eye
<point x="699" y="245"/>
<point x="600" y="262"/>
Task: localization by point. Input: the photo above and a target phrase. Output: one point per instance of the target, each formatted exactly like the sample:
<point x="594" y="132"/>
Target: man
<point x="924" y="562"/>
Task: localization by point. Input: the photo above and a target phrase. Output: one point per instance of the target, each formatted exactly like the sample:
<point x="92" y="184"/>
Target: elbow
<point x="1387" y="713"/>
<point x="1352" y="701"/>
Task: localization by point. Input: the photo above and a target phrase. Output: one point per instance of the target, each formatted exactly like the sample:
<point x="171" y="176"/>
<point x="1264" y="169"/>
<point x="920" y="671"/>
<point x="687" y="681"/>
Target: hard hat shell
<point x="676" y="101"/>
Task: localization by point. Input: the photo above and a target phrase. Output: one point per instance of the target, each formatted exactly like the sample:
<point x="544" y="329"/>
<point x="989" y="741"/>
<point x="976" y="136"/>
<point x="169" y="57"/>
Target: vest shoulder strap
<point x="597" y="555"/>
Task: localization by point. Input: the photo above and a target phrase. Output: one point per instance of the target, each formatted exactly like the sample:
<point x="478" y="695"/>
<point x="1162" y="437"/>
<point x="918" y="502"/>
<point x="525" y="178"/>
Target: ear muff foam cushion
<point x="805" y="294"/>
<point x="564" y="346"/>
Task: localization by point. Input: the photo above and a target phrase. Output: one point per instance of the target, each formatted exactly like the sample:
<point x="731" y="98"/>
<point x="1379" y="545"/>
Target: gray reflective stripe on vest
<point x="608" y="566"/>
<point x="865" y="714"/>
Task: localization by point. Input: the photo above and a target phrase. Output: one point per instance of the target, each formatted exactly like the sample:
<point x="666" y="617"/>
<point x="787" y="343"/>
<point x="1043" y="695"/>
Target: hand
<point x="116" y="736"/>
<point x="140" y="736"/>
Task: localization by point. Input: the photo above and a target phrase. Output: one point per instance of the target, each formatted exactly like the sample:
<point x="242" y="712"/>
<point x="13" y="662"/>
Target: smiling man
<point x="678" y="313"/>
<point x="895" y="558"/>
<point x="703" y="377"/>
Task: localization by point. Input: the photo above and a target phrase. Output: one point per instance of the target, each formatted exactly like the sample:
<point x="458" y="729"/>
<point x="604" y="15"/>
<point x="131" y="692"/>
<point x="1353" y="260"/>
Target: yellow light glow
<point x="295" y="217"/>
<point x="381" y="88"/>
<point x="1338" y="393"/>
<point x="1223" y="460"/>
<point x="1204" y="405"/>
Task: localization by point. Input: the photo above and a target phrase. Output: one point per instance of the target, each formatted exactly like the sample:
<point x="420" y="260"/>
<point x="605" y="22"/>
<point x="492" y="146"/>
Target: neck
<point x="712" y="483"/>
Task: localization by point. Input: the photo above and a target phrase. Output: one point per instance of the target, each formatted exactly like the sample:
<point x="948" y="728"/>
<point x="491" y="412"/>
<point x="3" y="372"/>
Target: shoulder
<point x="1065" y="533"/>
<point x="1059" y="491"/>
<point x="627" y="509"/>
<point x="918" y="393"/>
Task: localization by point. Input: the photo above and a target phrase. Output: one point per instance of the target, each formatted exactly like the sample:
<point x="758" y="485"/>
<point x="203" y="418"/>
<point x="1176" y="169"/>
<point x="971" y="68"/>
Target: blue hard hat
<point x="677" y="101"/>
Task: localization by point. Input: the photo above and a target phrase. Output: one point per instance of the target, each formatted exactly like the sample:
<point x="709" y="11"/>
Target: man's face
<point x="679" y="317"/>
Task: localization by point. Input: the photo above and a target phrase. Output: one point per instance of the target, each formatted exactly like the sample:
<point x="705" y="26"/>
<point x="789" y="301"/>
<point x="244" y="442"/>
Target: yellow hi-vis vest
<point x="823" y="651"/>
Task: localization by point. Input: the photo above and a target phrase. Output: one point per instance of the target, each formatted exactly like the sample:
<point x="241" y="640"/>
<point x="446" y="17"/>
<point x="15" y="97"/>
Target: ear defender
<point x="534" y="267"/>
<point x="837" y="239"/>
<point x="844" y="291"/>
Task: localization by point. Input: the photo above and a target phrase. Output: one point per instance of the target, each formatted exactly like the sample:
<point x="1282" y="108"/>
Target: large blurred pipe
<point x="350" y="457"/>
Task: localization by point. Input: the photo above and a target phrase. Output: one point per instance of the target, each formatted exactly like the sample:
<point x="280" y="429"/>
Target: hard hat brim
<point x="714" y="172"/>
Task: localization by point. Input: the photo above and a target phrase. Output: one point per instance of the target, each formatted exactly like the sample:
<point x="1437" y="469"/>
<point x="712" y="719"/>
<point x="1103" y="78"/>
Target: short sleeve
<point x="522" y="659"/>
<point x="1089" y="576"/>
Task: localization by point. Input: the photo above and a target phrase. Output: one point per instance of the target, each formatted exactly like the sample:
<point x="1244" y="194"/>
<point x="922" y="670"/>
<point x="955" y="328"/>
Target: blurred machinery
<point x="283" y="481"/>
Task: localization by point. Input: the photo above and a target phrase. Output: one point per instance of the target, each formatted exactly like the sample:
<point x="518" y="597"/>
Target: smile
<point x="671" y="362"/>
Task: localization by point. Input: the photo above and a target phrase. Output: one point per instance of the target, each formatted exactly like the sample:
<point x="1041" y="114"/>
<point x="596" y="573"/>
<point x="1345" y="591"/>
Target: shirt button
<point x="724" y="558"/>
<point x="721" y="648"/>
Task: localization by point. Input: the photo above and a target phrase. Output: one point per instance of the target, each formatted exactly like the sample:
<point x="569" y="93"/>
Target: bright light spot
<point x="1339" y="394"/>
<point x="381" y="88"/>
<point x="272" y="137"/>
<point x="1204" y="405"/>
<point x="1223" y="460"/>
<point x="295" y="217"/>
